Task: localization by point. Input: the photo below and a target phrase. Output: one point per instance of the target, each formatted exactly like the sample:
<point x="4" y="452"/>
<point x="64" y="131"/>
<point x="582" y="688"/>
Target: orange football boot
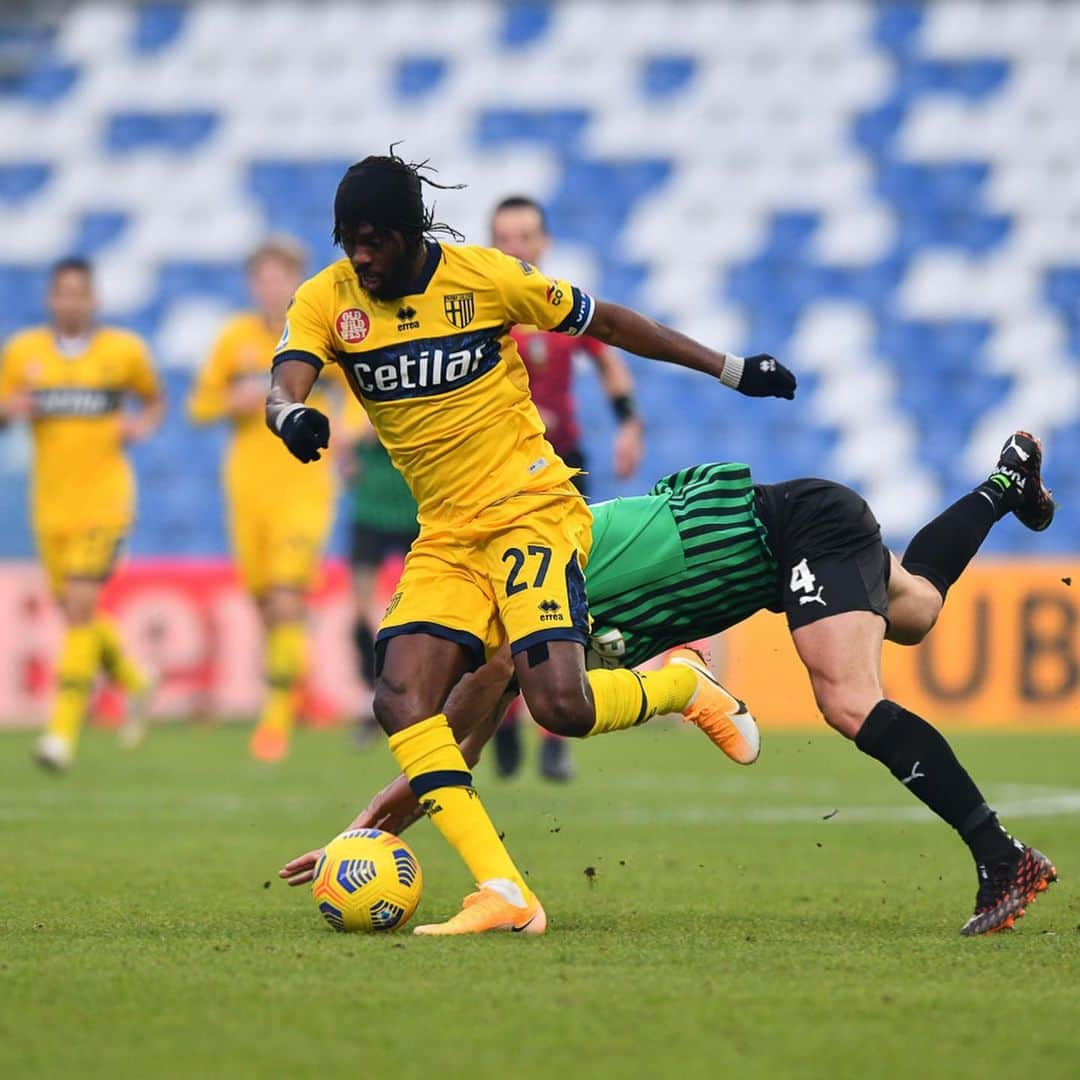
<point x="722" y="716"/>
<point x="487" y="909"/>
<point x="268" y="744"/>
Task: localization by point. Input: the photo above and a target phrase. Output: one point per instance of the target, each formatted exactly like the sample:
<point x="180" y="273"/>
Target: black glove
<point x="305" y="432"/>
<point x="761" y="375"/>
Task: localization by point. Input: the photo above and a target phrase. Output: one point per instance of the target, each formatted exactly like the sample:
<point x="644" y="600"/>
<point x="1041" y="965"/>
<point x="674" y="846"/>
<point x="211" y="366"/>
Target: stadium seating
<point x="884" y="196"/>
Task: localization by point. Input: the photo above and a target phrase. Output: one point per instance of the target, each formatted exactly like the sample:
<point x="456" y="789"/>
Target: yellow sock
<point x="625" y="698"/>
<point x="115" y="660"/>
<point x="80" y="658"/>
<point x="440" y="779"/>
<point x="286" y="646"/>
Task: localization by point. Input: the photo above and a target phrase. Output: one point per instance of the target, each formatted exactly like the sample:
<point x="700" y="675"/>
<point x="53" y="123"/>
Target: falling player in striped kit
<point x="707" y="548"/>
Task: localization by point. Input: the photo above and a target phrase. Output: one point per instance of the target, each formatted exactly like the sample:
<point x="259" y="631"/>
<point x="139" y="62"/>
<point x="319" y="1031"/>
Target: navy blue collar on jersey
<point x="427" y="271"/>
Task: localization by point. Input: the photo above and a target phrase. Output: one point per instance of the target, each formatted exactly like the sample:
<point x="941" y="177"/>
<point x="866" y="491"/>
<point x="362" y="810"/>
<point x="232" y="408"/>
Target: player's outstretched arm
<point x="755" y="376"/>
<point x="304" y="430"/>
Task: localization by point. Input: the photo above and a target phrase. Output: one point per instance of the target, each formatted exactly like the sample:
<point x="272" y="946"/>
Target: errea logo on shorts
<point x="353" y="325"/>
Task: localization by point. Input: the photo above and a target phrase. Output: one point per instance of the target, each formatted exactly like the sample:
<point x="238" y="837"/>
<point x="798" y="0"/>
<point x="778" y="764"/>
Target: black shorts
<point x="370" y="547"/>
<point x="575" y="458"/>
<point x="828" y="544"/>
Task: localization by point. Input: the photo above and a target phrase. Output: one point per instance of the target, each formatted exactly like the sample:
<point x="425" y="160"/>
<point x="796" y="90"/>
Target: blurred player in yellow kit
<point x="70" y="379"/>
<point x="280" y="513"/>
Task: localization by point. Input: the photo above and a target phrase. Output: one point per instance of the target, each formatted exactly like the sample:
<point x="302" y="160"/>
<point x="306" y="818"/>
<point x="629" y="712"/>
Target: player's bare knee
<point x="284" y="605"/>
<point x="78" y="614"/>
<point x="397" y="705"/>
<point x="844" y="708"/>
<point x="845" y="719"/>
<point x="914" y="607"/>
<point x="79" y="603"/>
<point x="913" y="627"/>
<point x="562" y="710"/>
<point x="930" y="603"/>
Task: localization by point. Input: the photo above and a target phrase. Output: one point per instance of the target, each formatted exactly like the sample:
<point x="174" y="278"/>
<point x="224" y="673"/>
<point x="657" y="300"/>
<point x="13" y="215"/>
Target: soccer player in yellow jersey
<point x="422" y="332"/>
<point x="71" y="380"/>
<point x="280" y="513"/>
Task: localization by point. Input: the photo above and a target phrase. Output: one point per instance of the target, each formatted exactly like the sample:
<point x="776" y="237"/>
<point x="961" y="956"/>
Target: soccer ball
<point x="367" y="880"/>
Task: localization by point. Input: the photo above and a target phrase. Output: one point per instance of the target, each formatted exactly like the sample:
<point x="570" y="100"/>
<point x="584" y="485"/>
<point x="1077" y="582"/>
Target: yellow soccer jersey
<point x="81" y="474"/>
<point x="258" y="468"/>
<point x="438" y="372"/>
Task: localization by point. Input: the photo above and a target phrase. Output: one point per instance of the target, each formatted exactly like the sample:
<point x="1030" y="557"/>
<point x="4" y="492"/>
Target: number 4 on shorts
<point x="802" y="579"/>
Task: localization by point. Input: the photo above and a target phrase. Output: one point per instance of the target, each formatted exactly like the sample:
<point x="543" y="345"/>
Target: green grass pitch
<point x="733" y="924"/>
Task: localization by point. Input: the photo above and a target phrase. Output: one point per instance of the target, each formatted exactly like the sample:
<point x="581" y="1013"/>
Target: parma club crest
<point x="460" y="308"/>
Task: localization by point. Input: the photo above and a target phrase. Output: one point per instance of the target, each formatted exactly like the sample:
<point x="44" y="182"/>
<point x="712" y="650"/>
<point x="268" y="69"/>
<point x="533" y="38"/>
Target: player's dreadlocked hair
<point x="385" y="191"/>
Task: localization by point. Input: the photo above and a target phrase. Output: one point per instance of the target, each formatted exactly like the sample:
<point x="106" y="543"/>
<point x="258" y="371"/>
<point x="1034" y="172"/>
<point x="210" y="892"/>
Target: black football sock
<point x="364" y="640"/>
<point x="990" y="844"/>
<point x="920" y="758"/>
<point x="941" y="549"/>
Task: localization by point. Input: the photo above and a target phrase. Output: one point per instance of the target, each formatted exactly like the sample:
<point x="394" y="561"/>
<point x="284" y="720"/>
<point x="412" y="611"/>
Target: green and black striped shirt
<point x="684" y="562"/>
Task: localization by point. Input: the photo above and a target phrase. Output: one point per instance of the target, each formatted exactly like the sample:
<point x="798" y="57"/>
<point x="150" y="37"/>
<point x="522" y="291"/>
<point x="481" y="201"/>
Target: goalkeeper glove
<point x="305" y="431"/>
<point x="760" y="375"/>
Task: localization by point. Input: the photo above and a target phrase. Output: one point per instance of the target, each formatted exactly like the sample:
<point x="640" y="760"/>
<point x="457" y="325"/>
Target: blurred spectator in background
<point x="70" y="379"/>
<point x="383" y="515"/>
<point x="280" y="511"/>
<point x="519" y="228"/>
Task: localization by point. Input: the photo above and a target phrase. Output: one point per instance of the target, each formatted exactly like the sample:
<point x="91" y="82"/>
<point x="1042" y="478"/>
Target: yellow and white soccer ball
<point x="367" y="880"/>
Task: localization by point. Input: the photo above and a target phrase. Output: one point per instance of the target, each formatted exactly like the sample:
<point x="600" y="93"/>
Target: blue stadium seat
<point x="663" y="76"/>
<point x="559" y="128"/>
<point x="418" y="76"/>
<point x="897" y="26"/>
<point x="47" y="82"/>
<point x="20" y="181"/>
<point x="524" y="23"/>
<point x="179" y="131"/>
<point x="99" y="229"/>
<point x="157" y="26"/>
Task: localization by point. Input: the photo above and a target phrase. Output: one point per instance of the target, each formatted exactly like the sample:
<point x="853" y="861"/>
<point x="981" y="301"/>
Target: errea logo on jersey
<point x="424" y="368"/>
<point x="353" y="325"/>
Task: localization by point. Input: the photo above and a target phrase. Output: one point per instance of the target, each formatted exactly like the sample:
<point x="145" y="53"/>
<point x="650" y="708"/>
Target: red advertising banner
<point x="1005" y="652"/>
<point x="191" y="622"/>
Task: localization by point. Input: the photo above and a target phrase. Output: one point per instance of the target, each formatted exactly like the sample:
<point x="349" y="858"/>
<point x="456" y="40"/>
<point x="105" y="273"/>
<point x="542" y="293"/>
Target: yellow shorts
<point x="89" y="554"/>
<point x="279" y="546"/>
<point x="515" y="572"/>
